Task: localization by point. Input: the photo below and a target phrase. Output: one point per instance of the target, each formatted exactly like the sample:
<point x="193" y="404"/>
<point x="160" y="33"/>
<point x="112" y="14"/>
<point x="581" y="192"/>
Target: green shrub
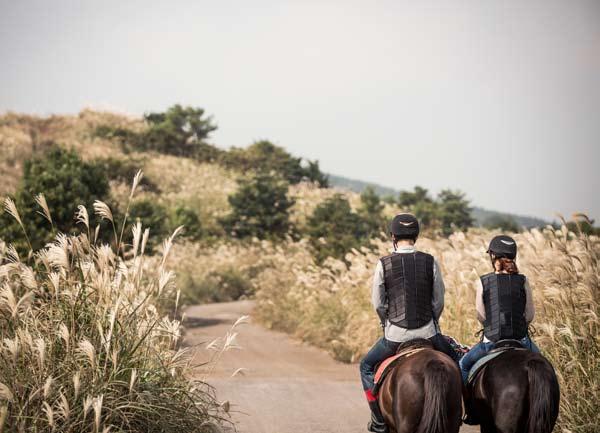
<point x="449" y="212"/>
<point x="128" y="140"/>
<point x="267" y="157"/>
<point x="582" y="224"/>
<point x="123" y="170"/>
<point x="65" y="180"/>
<point x="260" y="208"/>
<point x="180" y="131"/>
<point x="188" y="218"/>
<point x="151" y="214"/>
<point x="334" y="229"/>
<point x="421" y="205"/>
<point x="371" y="212"/>
<point x="454" y="211"/>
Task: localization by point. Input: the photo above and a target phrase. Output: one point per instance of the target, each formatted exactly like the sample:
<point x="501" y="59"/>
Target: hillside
<point x="22" y="136"/>
<point x="171" y="181"/>
<point x="480" y="215"/>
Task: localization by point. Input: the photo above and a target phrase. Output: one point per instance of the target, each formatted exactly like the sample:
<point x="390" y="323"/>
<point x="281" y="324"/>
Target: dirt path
<point x="287" y="386"/>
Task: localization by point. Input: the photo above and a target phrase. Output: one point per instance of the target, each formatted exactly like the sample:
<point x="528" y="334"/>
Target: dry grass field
<point x="87" y="342"/>
<point x="330" y="307"/>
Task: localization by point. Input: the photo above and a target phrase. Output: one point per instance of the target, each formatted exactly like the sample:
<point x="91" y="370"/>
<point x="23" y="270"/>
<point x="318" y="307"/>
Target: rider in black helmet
<point x="504" y="305"/>
<point x="408" y="296"/>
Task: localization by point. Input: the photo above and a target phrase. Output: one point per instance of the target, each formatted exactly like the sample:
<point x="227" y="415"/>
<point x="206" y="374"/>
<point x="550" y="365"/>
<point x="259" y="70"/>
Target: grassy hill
<point x="480" y="215"/>
<point x="171" y="181"/>
<point x="181" y="179"/>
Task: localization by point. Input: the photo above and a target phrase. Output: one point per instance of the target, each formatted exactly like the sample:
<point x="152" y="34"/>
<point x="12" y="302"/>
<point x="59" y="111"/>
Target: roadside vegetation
<point x="258" y="223"/>
<point x="329" y="305"/>
<point x="90" y="342"/>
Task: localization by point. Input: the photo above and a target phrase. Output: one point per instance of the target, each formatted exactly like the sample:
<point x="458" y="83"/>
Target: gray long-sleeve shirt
<point x="378" y="299"/>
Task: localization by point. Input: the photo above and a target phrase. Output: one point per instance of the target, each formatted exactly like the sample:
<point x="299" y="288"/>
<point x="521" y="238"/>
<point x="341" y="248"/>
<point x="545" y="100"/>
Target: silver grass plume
<point x="40" y="199"/>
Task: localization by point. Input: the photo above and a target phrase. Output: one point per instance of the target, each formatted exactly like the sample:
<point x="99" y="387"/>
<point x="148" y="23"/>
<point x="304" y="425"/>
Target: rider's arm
<point x="479" y="302"/>
<point x="529" y="307"/>
<point x="378" y="298"/>
<point x="437" y="300"/>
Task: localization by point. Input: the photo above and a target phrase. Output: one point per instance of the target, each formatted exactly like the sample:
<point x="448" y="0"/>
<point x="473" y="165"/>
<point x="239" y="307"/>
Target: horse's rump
<point x="517" y="391"/>
<point x="422" y="393"/>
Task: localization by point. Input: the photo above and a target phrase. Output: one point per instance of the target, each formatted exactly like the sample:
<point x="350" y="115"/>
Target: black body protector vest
<point x="504" y="298"/>
<point x="409" y="287"/>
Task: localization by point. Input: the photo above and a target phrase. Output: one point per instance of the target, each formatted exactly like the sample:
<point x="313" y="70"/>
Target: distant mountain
<point x="359" y="185"/>
<point x="479" y="214"/>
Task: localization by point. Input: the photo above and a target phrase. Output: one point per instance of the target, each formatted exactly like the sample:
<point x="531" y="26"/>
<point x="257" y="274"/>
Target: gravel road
<point x="287" y="386"/>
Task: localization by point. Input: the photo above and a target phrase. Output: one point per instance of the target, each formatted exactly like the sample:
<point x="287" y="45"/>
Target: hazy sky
<point x="500" y="99"/>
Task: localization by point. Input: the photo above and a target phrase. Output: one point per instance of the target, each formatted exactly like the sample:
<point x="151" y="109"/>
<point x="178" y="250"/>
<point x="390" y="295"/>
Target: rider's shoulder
<point x="426" y="254"/>
<point x="487" y="276"/>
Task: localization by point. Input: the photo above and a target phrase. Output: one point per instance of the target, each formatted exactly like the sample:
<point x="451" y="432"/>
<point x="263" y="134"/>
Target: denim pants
<point x="381" y="350"/>
<point x="384" y="348"/>
<point x="481" y="349"/>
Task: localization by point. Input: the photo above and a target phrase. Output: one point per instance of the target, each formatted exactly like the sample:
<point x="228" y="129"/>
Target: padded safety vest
<point x="408" y="281"/>
<point x="504" y="298"/>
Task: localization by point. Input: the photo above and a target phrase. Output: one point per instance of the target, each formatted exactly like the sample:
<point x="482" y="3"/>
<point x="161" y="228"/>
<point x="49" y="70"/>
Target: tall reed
<point x="86" y="344"/>
<point x="329" y="306"/>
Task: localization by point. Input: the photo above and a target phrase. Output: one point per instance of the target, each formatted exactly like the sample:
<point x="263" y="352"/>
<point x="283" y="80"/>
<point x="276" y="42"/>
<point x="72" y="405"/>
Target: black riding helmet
<point x="503" y="246"/>
<point x="405" y="226"/>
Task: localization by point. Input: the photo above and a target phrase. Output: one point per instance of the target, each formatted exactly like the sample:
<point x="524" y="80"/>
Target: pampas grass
<point x="329" y="306"/>
<point x="86" y="343"/>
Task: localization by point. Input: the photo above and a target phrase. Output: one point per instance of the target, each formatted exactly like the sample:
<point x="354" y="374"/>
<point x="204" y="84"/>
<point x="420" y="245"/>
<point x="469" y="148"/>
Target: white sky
<point x="499" y="99"/>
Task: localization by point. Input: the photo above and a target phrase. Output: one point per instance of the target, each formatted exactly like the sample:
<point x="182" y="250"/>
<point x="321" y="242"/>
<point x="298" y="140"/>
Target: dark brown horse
<point x="517" y="392"/>
<point x="422" y="393"/>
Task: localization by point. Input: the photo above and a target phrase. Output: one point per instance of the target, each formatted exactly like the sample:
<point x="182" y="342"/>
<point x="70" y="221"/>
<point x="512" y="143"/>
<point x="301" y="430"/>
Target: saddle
<point x="500" y="347"/>
<point x="404" y="351"/>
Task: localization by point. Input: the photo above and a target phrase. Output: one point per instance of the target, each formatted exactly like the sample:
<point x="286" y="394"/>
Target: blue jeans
<point x="385" y="348"/>
<point x="381" y="350"/>
<point x="481" y="349"/>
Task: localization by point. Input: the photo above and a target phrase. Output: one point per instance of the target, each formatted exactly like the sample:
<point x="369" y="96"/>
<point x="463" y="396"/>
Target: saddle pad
<point x="385" y="365"/>
<point x="484" y="360"/>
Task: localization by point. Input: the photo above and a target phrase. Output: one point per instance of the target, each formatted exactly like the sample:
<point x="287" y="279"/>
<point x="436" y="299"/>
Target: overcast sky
<point x="500" y="99"/>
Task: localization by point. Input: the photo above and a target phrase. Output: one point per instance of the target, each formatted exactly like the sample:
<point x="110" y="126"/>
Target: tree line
<point x="260" y="207"/>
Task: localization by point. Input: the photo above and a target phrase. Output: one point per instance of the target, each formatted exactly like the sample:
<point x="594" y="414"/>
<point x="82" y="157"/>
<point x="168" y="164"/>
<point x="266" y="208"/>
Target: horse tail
<point x="544" y="396"/>
<point x="434" y="418"/>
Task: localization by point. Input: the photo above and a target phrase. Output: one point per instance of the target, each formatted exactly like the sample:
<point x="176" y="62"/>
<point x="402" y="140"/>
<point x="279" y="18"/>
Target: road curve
<point x="286" y="386"/>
